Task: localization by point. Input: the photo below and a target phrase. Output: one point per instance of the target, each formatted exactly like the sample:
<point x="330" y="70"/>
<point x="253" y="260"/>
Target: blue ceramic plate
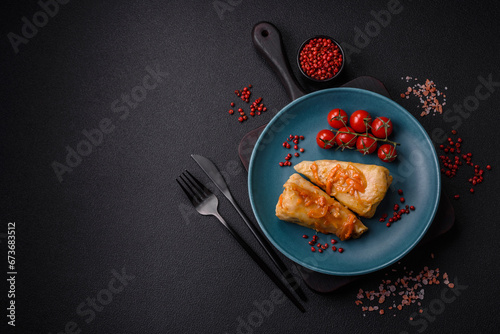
<point x="416" y="171"/>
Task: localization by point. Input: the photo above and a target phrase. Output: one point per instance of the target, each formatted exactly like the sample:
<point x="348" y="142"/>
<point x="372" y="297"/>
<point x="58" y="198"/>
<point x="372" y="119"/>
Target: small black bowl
<point x="323" y="37"/>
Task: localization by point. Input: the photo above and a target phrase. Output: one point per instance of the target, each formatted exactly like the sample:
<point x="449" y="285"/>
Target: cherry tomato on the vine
<point x="335" y="118"/>
<point x="366" y="145"/>
<point x="382" y="127"/>
<point x="360" y="121"/>
<point x="387" y="153"/>
<point x="345" y="139"/>
<point x="324" y="139"/>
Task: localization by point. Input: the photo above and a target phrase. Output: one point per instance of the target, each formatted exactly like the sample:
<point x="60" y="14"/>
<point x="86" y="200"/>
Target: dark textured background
<point x="121" y="207"/>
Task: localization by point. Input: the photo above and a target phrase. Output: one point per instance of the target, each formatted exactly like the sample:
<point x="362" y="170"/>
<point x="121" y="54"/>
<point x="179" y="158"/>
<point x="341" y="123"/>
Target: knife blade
<point x="214" y="174"/>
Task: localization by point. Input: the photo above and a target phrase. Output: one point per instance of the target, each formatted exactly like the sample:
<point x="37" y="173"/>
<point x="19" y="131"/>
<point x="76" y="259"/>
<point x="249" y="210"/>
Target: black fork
<point x="206" y="204"/>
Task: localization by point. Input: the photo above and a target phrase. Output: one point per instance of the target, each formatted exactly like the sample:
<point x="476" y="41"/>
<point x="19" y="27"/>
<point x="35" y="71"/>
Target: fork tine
<point x="204" y="192"/>
<point x="189" y="193"/>
<point x="189" y="184"/>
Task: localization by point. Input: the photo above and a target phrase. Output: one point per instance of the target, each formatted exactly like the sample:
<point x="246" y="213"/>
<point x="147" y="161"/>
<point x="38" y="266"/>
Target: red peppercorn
<point x="472" y="190"/>
<point x="231" y="111"/>
<point x="302" y="151"/>
<point x="297" y="155"/>
<point x="396" y="207"/>
<point x="341" y="250"/>
<point x="388" y="224"/>
<point x="488" y="167"/>
<point x="400" y="191"/>
<point x="281" y="164"/>
<point x="412" y="207"/>
<point x="334" y="248"/>
<point x="457" y="196"/>
<point x="402" y="199"/>
<point x="391" y="220"/>
<point x="301" y="137"/>
<point x="240" y="119"/>
<point x="320" y="58"/>
<point x="454" y="132"/>
<point x="313" y="249"/>
<point x="333" y="241"/>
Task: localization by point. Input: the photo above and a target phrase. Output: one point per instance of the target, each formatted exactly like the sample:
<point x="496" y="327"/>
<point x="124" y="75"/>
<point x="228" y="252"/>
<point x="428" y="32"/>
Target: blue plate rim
<point x="345" y="273"/>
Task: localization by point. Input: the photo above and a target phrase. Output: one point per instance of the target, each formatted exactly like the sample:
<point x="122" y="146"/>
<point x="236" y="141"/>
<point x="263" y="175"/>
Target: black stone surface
<point x="120" y="208"/>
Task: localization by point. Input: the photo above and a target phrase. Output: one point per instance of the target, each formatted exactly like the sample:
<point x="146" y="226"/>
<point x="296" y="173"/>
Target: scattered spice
<point x="429" y="96"/>
<point x="321" y="247"/>
<point x="398" y="213"/>
<point x="295" y="139"/>
<point x="408" y="290"/>
<point x="321" y="58"/>
<point x="256" y="108"/>
<point x="453" y="159"/>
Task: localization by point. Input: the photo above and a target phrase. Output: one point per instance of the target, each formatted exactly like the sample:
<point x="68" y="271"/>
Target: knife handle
<point x="270" y="251"/>
<point x="262" y="264"/>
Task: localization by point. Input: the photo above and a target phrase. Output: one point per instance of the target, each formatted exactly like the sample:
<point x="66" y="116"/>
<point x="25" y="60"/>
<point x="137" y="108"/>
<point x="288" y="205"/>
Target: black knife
<point x="213" y="173"/>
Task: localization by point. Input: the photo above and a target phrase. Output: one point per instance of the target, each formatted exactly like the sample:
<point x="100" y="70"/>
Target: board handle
<point x="267" y="40"/>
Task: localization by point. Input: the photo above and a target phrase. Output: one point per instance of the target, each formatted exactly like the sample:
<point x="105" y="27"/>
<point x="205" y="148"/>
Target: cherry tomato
<point x="324" y="139"/>
<point x="366" y="145"/>
<point x="387" y="153"/>
<point x="380" y="125"/>
<point x="360" y="121"/>
<point x="345" y="139"/>
<point x="335" y="118"/>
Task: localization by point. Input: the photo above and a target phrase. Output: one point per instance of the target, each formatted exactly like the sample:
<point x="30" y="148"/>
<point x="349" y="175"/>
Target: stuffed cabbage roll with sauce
<point x="360" y="187"/>
<point x="305" y="204"/>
